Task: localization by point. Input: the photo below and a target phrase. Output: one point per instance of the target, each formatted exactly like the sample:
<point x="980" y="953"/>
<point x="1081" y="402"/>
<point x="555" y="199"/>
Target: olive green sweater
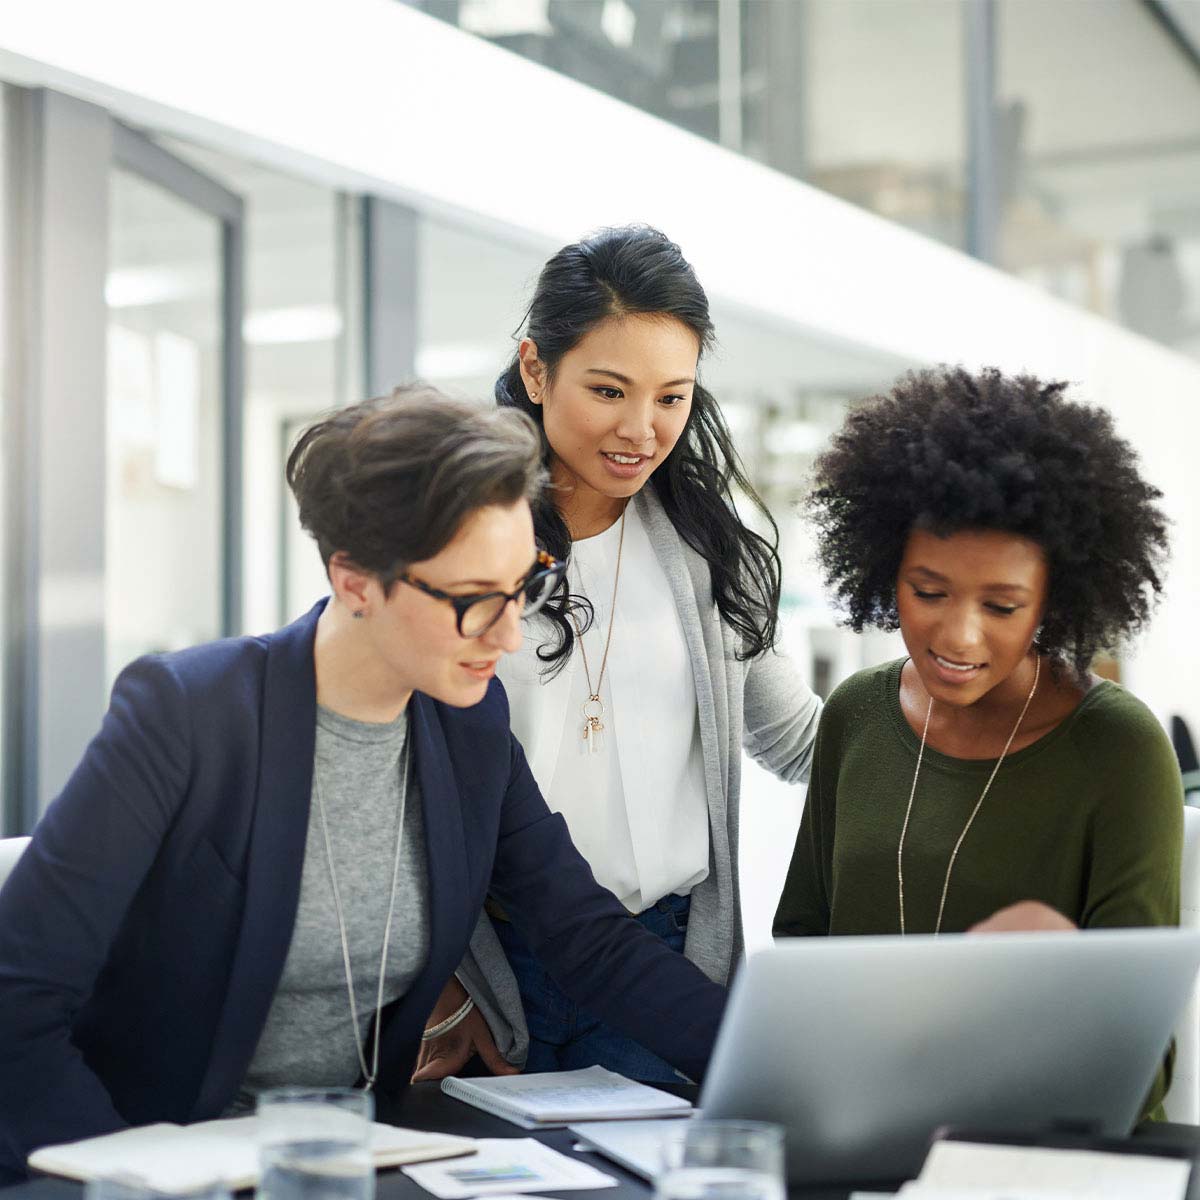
<point x="1088" y="819"/>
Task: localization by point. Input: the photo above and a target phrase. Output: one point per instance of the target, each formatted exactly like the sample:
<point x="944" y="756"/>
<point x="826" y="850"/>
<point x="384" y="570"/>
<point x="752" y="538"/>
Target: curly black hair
<point x="948" y="450"/>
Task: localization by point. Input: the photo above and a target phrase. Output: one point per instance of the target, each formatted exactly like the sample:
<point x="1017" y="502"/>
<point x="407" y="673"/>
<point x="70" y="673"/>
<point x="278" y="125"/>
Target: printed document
<point x="502" y="1166"/>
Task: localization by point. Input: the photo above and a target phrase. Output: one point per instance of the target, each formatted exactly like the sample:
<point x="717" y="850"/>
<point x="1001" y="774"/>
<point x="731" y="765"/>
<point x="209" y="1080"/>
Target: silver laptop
<point x="861" y="1047"/>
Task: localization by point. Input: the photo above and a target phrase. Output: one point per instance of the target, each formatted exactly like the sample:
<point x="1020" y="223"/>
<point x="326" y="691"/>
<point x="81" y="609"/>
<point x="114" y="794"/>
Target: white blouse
<point x="636" y="807"/>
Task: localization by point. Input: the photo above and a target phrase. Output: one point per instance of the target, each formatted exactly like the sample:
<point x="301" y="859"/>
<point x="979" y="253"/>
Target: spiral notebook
<point x="554" y="1099"/>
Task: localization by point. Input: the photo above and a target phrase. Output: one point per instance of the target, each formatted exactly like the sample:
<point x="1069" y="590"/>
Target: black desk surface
<point x="425" y="1106"/>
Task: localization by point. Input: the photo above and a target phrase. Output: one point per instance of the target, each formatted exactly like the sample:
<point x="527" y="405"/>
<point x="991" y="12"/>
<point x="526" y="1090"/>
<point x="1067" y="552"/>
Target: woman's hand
<point x="1026" y="915"/>
<point x="448" y="1054"/>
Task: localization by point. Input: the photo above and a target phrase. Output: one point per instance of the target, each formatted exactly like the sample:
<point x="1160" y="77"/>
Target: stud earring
<point x="358" y="614"/>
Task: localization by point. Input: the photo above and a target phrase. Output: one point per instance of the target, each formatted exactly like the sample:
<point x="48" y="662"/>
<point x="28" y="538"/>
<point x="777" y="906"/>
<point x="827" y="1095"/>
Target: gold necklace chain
<point x="593" y="706"/>
<point x="1037" y="671"/>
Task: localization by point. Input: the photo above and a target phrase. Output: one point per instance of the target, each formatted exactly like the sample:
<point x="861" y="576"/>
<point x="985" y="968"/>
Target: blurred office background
<point x="221" y="219"/>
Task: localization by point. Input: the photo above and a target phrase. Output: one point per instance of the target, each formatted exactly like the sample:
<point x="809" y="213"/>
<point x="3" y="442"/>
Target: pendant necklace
<point x="1037" y="670"/>
<point x="593" y="706"/>
<point x="372" y="1074"/>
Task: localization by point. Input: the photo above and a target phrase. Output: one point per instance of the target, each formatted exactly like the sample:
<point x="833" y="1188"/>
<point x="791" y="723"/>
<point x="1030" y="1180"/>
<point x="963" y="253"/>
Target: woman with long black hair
<point x="638" y="685"/>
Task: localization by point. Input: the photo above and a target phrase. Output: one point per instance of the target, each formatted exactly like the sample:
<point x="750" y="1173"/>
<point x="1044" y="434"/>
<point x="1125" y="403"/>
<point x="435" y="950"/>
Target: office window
<point x="863" y="98"/>
<point x="163" y="572"/>
<point x="661" y="56"/>
<point x="1100" y="121"/>
<point x="472" y="292"/>
<point x="303" y="342"/>
<point x="883" y="108"/>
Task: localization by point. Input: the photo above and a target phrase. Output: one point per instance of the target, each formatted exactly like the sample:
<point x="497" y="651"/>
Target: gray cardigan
<point x="762" y="704"/>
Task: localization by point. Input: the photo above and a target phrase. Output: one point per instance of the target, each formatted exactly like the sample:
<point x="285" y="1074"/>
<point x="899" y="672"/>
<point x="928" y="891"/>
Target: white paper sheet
<point x="1026" y="1170"/>
<point x="503" y="1166"/>
<point x="178" y="1158"/>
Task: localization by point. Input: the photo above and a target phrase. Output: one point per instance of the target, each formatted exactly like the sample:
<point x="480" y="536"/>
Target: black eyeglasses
<point x="476" y="614"/>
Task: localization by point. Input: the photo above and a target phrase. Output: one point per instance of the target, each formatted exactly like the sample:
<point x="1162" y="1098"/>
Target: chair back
<point x="12" y="848"/>
<point x="1183" y="1100"/>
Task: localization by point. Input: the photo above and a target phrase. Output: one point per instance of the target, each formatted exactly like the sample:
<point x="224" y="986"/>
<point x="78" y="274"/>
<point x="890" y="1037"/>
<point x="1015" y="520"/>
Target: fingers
<point x="448" y="1055"/>
<point x="485" y="1046"/>
<point x="495" y="1061"/>
<point x="438" y="1065"/>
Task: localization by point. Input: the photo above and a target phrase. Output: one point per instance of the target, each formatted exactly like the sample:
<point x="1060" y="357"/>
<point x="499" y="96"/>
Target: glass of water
<point x="723" y="1160"/>
<point x="315" y="1144"/>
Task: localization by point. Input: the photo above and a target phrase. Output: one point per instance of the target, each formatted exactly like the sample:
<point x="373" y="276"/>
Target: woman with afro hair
<point x="988" y="779"/>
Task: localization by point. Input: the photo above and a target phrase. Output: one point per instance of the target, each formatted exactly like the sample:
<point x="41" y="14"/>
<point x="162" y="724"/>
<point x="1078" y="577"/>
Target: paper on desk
<point x="181" y="1158"/>
<point x="985" y="1171"/>
<point x="501" y="1166"/>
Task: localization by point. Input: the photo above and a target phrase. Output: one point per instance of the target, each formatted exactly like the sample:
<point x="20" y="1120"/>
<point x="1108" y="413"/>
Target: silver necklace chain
<point x="593" y="706"/>
<point x="1037" y="671"/>
<point x="369" y="1076"/>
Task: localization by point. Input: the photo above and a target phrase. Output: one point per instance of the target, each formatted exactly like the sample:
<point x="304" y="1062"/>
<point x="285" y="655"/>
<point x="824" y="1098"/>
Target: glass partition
<point x="863" y="98"/>
<point x="880" y="114"/>
<point x="1100" y="112"/>
<point x="472" y="291"/>
<point x="303" y="347"/>
<point x="163" y="573"/>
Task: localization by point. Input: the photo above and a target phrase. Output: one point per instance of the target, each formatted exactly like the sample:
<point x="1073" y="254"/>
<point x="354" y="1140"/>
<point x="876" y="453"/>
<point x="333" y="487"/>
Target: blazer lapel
<point x="450" y="920"/>
<point x="445" y="841"/>
<point x="275" y="859"/>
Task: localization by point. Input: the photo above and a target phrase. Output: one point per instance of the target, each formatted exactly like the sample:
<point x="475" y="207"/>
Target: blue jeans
<point x="562" y="1037"/>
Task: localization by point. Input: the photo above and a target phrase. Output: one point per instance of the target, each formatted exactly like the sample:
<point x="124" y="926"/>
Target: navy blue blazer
<point x="143" y="934"/>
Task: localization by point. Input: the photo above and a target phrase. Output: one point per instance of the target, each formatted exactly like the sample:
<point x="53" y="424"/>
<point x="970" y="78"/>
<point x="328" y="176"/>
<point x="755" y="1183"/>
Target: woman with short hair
<point x="274" y="852"/>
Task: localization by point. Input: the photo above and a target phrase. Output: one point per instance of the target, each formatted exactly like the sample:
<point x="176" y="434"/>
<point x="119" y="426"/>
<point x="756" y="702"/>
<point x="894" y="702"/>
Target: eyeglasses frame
<point x="462" y="604"/>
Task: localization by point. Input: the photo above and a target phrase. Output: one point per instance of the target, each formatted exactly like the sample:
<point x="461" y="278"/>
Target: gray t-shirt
<point x="363" y="775"/>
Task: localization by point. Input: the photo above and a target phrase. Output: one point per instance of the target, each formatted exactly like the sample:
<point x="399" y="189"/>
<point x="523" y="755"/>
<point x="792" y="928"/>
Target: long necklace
<point x="369" y="1076"/>
<point x="593" y="706"/>
<point x="1037" y="670"/>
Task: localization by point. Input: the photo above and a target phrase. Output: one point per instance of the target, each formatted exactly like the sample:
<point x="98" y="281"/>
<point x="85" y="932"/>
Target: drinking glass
<point x="315" y="1144"/>
<point x="723" y="1160"/>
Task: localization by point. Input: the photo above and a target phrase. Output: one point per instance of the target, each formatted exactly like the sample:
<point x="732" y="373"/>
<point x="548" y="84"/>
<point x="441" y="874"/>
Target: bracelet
<point x="455" y="1018"/>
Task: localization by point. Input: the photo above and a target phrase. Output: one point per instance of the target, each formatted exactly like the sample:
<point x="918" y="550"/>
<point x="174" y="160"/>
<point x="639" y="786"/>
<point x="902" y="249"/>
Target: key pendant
<point x="593" y="727"/>
<point x="593" y="734"/>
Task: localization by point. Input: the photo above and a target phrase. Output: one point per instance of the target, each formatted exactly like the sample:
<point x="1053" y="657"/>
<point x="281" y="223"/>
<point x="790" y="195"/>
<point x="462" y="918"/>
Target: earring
<point x="358" y="614"/>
